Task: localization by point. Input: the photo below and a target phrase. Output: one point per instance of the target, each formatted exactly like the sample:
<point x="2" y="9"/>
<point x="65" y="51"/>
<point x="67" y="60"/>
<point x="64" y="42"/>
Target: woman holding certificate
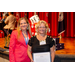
<point x="19" y="42"/>
<point x="41" y="47"/>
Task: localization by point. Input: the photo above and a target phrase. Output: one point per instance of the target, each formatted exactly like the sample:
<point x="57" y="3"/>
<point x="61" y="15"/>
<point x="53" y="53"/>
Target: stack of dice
<point x="34" y="20"/>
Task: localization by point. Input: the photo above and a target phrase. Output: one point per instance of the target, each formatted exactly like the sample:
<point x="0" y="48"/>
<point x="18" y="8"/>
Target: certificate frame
<point x="42" y="57"/>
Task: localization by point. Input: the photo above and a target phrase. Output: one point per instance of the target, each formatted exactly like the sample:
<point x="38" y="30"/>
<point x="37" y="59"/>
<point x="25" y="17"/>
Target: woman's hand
<point x="29" y="53"/>
<point x="32" y="60"/>
<point x="52" y="50"/>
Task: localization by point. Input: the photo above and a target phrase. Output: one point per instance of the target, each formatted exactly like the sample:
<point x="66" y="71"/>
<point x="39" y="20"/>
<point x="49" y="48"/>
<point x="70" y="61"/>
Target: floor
<point x="66" y="54"/>
<point x="69" y="45"/>
<point x="2" y="42"/>
<point x="3" y="58"/>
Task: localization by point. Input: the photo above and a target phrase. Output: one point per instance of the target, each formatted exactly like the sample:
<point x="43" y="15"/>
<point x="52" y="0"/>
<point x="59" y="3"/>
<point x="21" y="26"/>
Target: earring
<point x="28" y="27"/>
<point x="20" y="28"/>
<point x="46" y="31"/>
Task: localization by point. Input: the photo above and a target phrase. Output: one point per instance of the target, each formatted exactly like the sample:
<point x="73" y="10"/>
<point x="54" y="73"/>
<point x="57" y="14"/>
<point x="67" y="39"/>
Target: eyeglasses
<point x="41" y="27"/>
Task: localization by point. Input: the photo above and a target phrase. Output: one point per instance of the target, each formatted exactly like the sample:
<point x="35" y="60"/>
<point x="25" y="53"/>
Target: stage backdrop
<point x="52" y="19"/>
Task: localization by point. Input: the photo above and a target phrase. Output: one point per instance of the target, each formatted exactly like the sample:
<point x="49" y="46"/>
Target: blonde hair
<point x="18" y="26"/>
<point x="46" y="25"/>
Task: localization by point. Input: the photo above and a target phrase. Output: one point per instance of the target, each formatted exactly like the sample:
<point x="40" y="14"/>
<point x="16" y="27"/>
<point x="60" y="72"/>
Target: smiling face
<point x="42" y="29"/>
<point x="23" y="24"/>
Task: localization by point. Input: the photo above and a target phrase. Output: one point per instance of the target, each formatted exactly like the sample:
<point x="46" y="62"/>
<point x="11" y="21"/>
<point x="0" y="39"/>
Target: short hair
<point x="11" y="12"/>
<point x="42" y="21"/>
<point x="6" y="15"/>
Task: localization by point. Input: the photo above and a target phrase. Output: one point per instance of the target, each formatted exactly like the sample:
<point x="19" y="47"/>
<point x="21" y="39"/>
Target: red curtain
<point x="69" y="24"/>
<point x="52" y="19"/>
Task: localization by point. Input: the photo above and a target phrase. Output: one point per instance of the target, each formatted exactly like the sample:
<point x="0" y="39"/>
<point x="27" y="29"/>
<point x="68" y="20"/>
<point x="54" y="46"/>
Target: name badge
<point x="42" y="42"/>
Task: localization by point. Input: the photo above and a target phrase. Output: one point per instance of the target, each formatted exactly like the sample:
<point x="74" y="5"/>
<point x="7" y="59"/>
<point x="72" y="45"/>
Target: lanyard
<point x="26" y="40"/>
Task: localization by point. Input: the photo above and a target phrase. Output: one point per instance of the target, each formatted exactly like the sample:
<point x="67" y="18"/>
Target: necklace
<point x="26" y="40"/>
<point x="41" y="38"/>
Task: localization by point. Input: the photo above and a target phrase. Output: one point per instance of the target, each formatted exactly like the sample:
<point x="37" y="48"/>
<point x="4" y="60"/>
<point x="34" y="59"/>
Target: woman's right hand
<point x="32" y="60"/>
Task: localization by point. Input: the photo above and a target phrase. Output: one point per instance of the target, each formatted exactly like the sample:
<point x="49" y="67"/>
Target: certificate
<point x="42" y="57"/>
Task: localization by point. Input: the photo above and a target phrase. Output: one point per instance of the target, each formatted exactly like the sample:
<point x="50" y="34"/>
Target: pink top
<point x="18" y="48"/>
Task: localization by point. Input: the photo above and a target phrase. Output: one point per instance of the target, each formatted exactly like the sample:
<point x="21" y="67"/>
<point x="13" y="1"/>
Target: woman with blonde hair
<point x="19" y="42"/>
<point x="41" y="42"/>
